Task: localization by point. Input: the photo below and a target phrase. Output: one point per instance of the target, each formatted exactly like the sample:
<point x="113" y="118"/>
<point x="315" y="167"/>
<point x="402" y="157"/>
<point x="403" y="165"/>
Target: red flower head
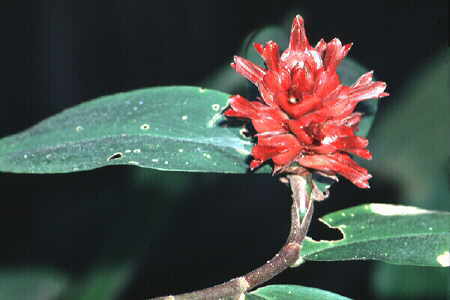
<point x="305" y="116"/>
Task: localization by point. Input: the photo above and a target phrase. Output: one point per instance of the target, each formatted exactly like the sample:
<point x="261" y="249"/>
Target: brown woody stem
<point x="288" y="256"/>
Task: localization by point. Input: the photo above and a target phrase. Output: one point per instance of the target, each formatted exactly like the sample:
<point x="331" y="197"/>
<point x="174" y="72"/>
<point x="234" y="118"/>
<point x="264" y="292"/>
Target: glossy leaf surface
<point x="165" y="128"/>
<point x="395" y="234"/>
<point x="288" y="292"/>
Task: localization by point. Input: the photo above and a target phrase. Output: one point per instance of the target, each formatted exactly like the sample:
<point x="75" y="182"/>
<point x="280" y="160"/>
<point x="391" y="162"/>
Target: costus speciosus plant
<point x="305" y="118"/>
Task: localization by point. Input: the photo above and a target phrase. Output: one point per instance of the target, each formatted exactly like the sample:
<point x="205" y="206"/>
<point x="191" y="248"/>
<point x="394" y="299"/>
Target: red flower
<point x="305" y="116"/>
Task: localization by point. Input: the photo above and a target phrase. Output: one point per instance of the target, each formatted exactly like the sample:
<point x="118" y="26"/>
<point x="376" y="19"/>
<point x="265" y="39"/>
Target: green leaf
<point x="32" y="283"/>
<point x="225" y="79"/>
<point x="165" y="128"/>
<point x="176" y="128"/>
<point x="410" y="143"/>
<point x="394" y="234"/>
<point x="102" y="283"/>
<point x="287" y="292"/>
<point x="410" y="282"/>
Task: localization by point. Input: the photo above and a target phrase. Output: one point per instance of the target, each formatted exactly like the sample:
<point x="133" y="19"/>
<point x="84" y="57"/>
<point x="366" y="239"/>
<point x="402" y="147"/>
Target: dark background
<point x="141" y="233"/>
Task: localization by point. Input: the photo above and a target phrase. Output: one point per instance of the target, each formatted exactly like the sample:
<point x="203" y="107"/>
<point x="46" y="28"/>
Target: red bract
<point x="305" y="115"/>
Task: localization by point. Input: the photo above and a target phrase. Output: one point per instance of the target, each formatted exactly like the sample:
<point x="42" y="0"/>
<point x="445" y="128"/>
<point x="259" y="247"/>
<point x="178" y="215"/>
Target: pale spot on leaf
<point x="395" y="210"/>
<point x="444" y="259"/>
<point x="242" y="151"/>
<point x="145" y="127"/>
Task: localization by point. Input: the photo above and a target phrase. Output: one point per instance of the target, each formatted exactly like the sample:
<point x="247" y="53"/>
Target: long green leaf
<point x="394" y="234"/>
<point x="288" y="292"/>
<point x="32" y="283"/>
<point x="165" y="128"/>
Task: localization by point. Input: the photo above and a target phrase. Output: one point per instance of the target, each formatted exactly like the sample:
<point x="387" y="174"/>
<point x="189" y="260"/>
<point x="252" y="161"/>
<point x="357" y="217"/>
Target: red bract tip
<point x="298" y="40"/>
<point x="306" y="116"/>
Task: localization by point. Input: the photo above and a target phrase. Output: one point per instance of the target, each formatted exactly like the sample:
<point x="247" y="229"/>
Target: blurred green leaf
<point x="394" y="234"/>
<point x="31" y="284"/>
<point x="409" y="282"/>
<point x="411" y="141"/>
<point x="165" y="128"/>
<point x="103" y="282"/>
<point x="411" y="147"/>
<point x="225" y="79"/>
<point x="287" y="292"/>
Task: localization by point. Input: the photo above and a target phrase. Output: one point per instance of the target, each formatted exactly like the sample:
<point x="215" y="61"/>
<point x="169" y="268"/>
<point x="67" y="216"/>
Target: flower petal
<point x="271" y="55"/>
<point x="282" y="149"/>
<point x="338" y="163"/>
<point x="298" y="40"/>
<point x="249" y="70"/>
<point x="305" y="114"/>
<point x="264" y="118"/>
<point x="335" y="53"/>
<point x="321" y="46"/>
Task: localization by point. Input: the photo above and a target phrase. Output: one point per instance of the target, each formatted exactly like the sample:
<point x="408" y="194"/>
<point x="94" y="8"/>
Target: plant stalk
<point x="288" y="256"/>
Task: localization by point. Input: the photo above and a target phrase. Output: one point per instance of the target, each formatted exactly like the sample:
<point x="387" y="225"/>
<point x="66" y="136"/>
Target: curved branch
<point x="289" y="255"/>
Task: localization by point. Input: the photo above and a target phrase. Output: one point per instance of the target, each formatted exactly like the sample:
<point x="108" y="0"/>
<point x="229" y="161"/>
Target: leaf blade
<point x="287" y="292"/>
<point x="166" y="128"/>
<point x="391" y="233"/>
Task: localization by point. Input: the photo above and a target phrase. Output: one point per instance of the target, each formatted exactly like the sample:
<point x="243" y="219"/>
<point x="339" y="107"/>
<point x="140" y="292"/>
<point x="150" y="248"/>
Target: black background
<point x="56" y="54"/>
